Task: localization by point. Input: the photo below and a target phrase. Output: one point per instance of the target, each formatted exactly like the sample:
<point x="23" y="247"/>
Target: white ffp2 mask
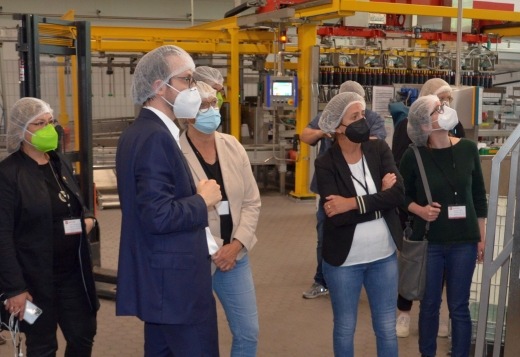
<point x="448" y="120"/>
<point x="186" y="104"/>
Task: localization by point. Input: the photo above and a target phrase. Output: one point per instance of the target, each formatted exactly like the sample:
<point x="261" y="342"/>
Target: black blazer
<point x="334" y="178"/>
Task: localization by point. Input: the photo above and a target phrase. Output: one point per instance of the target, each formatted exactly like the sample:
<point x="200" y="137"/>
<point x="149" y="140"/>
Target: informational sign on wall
<point x="381" y="96"/>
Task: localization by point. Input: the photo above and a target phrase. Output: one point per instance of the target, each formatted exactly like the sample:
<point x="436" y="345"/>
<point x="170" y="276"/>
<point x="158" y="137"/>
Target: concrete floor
<point x="283" y="264"/>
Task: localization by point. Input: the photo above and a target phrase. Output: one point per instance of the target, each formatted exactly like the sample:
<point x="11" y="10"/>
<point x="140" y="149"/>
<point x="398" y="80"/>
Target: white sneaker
<point x="443" y="329"/>
<point x="402" y="326"/>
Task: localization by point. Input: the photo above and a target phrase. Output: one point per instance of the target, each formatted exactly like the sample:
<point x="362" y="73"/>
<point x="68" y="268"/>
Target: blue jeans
<point x="236" y="292"/>
<point x="380" y="281"/>
<point x="320" y="218"/>
<point x="457" y="262"/>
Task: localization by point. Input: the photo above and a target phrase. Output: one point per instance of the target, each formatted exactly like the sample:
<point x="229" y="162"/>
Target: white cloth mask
<point x="447" y="120"/>
<point x="187" y="103"/>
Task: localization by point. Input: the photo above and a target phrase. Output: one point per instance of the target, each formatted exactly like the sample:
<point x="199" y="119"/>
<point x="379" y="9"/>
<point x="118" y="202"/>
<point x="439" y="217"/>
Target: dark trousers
<point x="199" y="340"/>
<point x="70" y="310"/>
<point x="403" y="304"/>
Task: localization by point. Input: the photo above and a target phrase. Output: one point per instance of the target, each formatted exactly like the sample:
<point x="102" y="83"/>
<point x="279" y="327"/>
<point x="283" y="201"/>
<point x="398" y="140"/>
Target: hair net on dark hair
<point x="352" y="86"/>
<point x="155" y="65"/>
<point x="336" y="108"/>
<point x="23" y="112"/>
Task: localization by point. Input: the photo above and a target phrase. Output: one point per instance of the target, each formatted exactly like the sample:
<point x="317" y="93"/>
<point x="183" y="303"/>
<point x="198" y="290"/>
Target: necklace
<point x="62" y="195"/>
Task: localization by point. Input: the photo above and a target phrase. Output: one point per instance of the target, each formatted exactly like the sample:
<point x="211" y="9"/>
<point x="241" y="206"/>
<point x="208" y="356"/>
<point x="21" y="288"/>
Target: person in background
<point x="457" y="218"/>
<point x="400" y="139"/>
<point x="213" y="155"/>
<point x="313" y="135"/>
<point x="443" y="91"/>
<point x="164" y="272"/>
<point x="360" y="188"/>
<point x="400" y="143"/>
<point x="45" y="254"/>
<point x="213" y="77"/>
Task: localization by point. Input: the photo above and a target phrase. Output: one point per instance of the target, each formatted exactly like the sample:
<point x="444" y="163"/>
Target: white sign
<point x="378" y="19"/>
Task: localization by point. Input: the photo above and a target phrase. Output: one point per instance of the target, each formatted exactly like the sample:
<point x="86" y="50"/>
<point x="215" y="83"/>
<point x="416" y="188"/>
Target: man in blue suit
<point x="164" y="273"/>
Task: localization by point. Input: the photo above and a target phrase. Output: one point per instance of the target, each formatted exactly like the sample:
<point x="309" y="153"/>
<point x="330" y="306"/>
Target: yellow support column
<point x="306" y="41"/>
<point x="234" y="85"/>
<point x="63" y="118"/>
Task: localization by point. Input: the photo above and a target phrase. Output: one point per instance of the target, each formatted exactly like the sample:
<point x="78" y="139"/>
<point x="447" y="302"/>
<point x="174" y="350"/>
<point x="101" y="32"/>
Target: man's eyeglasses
<point x="439" y="109"/>
<point x="190" y="81"/>
<point x="204" y="106"/>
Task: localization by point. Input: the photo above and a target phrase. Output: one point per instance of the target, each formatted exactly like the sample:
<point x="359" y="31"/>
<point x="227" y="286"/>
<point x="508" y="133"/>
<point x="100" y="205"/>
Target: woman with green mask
<point x="45" y="257"/>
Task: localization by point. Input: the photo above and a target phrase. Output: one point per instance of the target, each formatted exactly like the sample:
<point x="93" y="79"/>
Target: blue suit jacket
<point x="164" y="273"/>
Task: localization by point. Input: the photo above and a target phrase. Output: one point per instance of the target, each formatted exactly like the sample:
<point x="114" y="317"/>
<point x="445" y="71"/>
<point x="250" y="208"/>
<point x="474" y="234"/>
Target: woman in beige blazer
<point x="213" y="155"/>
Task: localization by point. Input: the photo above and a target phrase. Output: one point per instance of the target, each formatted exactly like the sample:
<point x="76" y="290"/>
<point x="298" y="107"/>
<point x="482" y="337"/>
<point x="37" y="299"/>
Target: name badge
<point x="72" y="226"/>
<point x="456" y="212"/>
<point x="223" y="208"/>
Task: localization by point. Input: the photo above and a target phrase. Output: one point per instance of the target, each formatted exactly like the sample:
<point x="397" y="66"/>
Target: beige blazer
<point x="241" y="189"/>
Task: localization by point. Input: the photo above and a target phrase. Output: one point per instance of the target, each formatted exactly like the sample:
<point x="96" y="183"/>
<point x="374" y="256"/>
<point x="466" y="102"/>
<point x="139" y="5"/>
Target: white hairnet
<point x="24" y="111"/>
<point x="206" y="91"/>
<point x="336" y="108"/>
<point x="419" y="123"/>
<point x="155" y="66"/>
<point x="434" y="86"/>
<point x="208" y="75"/>
<point x="351" y="86"/>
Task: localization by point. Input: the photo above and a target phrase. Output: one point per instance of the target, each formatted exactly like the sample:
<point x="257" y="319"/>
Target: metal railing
<point x="498" y="261"/>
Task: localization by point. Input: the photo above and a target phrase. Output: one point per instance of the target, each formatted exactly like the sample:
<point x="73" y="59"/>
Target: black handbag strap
<point x="424" y="180"/>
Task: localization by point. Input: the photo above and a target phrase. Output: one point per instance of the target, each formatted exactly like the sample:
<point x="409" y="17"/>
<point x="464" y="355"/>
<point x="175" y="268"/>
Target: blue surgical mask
<point x="207" y="122"/>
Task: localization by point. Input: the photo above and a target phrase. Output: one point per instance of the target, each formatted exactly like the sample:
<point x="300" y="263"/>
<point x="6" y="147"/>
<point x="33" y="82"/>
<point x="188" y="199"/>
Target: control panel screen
<point x="282" y="88"/>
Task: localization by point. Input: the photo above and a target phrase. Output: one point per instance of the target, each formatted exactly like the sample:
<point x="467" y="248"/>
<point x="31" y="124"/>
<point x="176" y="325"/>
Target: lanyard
<point x="365" y="186"/>
<point x="63" y="196"/>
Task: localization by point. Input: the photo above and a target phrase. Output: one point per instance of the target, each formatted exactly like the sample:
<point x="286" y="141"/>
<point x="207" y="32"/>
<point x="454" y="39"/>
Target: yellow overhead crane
<point x="227" y="36"/>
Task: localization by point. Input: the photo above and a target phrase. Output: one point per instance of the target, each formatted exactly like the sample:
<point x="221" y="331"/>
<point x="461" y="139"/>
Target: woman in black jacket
<point x="360" y="189"/>
<point x="45" y="256"/>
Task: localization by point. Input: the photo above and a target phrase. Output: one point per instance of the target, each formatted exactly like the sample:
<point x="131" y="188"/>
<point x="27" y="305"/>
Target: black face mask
<point x="358" y="131"/>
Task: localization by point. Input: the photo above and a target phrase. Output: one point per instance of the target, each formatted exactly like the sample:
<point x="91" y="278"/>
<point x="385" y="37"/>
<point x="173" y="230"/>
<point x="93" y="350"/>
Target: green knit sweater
<point x="455" y="178"/>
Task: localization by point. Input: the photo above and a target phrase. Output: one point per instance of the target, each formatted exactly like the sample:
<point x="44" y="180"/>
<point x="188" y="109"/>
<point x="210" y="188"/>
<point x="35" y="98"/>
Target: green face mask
<point x="220" y="99"/>
<point x="45" y="139"/>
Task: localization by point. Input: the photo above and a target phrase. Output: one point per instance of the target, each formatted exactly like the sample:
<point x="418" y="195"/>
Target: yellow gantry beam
<point x="131" y="39"/>
<point x="227" y="23"/>
<point x="342" y="8"/>
<point x="504" y="32"/>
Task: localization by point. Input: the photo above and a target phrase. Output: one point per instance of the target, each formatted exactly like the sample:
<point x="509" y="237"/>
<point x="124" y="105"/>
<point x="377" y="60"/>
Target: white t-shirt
<point x="372" y="240"/>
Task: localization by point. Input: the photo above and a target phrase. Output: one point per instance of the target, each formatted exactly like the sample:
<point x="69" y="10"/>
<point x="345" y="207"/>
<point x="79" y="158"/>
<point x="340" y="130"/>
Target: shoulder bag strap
<point x="424" y="180"/>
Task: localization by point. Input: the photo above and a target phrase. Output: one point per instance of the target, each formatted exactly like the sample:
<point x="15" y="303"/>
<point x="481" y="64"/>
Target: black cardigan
<point x="334" y="178"/>
<point x="26" y="230"/>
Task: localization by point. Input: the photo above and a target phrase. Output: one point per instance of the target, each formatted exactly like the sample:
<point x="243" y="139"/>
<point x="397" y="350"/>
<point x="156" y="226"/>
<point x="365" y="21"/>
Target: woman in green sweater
<point x="456" y="215"/>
